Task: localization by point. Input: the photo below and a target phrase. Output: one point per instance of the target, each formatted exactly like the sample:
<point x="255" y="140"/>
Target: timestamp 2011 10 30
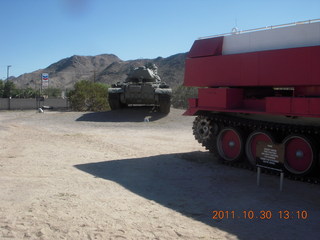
<point x="261" y="214"/>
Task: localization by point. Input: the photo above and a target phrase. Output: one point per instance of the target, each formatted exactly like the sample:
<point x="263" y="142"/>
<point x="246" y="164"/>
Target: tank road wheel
<point x="205" y="132"/>
<point x="230" y="144"/>
<point x="299" y="157"/>
<point x="251" y="144"/>
<point x="114" y="101"/>
<point x="164" y="103"/>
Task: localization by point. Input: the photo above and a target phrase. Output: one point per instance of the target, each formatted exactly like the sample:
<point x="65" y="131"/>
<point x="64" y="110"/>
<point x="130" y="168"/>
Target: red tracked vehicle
<point x="261" y="85"/>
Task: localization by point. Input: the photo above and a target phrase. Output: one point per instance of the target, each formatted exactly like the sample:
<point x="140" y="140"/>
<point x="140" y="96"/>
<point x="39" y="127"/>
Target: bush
<point x="89" y="96"/>
<point x="52" y="92"/>
<point x="25" y="93"/>
<point x="181" y="94"/>
<point x="9" y="89"/>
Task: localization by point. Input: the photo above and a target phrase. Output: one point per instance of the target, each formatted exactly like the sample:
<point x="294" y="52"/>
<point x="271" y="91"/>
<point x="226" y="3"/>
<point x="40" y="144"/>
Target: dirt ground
<point x="113" y="175"/>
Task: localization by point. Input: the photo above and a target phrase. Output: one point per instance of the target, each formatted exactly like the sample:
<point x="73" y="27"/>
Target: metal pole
<point x="9" y="97"/>
<point x="9" y="66"/>
<point x="281" y="181"/>
<point x="41" y="86"/>
<point x="94" y="75"/>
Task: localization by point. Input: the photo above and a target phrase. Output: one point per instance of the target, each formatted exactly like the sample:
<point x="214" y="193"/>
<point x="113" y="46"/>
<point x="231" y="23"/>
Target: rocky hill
<point x="106" y="68"/>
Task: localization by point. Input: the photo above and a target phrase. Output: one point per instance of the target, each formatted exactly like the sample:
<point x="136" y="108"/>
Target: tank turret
<point x="147" y="73"/>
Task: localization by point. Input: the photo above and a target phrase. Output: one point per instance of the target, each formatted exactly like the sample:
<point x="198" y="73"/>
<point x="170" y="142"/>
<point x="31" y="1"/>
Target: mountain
<point x="105" y="68"/>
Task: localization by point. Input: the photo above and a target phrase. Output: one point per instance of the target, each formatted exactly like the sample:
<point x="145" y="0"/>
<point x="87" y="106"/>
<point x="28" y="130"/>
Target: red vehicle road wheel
<point x="230" y="144"/>
<point x="252" y="141"/>
<point x="299" y="154"/>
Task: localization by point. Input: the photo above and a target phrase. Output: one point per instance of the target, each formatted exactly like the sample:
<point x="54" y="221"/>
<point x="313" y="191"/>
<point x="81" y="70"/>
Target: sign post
<point x="44" y="84"/>
<point x="270" y="156"/>
<point x="44" y="80"/>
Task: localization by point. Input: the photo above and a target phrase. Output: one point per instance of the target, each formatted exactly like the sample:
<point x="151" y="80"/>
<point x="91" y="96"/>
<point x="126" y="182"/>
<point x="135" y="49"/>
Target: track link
<point x="279" y="131"/>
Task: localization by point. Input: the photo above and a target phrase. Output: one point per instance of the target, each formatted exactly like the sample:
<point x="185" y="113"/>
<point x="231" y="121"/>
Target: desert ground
<point x="113" y="175"/>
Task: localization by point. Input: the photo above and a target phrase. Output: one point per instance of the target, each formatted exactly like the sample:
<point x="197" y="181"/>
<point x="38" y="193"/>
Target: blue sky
<point x="37" y="33"/>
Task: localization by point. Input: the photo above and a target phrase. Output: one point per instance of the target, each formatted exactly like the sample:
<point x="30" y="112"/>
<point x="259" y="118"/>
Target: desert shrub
<point x="89" y="96"/>
<point x="52" y="92"/>
<point x="25" y="93"/>
<point x="181" y="94"/>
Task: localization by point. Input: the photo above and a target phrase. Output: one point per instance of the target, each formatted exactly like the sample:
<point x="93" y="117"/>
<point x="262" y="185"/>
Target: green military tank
<point x="142" y="87"/>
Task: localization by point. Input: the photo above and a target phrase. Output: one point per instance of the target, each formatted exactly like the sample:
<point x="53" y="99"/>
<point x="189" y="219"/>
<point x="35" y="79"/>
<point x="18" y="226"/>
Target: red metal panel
<point x="224" y="98"/>
<point x="279" y="105"/>
<point x="193" y="102"/>
<point x="191" y="111"/>
<point x="206" y="47"/>
<point x="293" y="106"/>
<point x="300" y="106"/>
<point x="315" y="66"/>
<point x="285" y="67"/>
<point x="212" y="71"/>
<point x="212" y="97"/>
<point x="223" y="71"/>
<point x="303" y="107"/>
<point x="258" y="105"/>
<point x="314" y="106"/>
<point x="249" y="69"/>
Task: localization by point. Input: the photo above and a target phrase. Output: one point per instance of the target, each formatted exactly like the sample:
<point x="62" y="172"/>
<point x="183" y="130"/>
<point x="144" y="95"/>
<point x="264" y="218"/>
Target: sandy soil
<point x="66" y="175"/>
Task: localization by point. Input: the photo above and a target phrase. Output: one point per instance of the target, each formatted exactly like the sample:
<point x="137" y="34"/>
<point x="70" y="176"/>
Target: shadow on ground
<point x="194" y="187"/>
<point x="130" y="114"/>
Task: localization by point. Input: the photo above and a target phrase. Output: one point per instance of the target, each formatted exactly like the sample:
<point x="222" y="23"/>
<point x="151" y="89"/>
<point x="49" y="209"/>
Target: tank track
<point x="279" y="131"/>
<point x="313" y="179"/>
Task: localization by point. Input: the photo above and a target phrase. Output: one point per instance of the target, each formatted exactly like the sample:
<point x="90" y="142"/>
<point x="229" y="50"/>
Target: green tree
<point x="89" y="96"/>
<point x="9" y="88"/>
<point x="52" y="92"/>
<point x="31" y="93"/>
<point x="181" y="94"/>
<point x="1" y="88"/>
<point x="24" y="93"/>
<point x="17" y="93"/>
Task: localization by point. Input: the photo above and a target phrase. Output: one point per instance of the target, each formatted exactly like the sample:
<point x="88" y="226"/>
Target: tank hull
<point x="142" y="87"/>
